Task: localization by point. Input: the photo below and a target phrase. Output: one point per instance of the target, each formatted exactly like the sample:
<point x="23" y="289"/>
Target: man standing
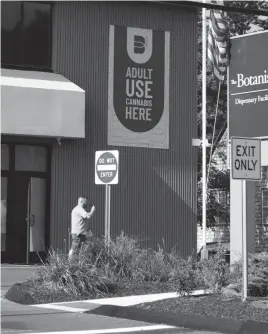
<point x="80" y="224"/>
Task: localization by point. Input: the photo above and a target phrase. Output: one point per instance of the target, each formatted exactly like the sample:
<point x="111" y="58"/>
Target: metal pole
<point x="204" y="134"/>
<point x="244" y="240"/>
<point x="28" y="223"/>
<point x="107" y="212"/>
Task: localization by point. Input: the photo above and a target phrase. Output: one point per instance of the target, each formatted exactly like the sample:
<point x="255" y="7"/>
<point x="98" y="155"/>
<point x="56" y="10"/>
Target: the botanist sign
<point x="248" y="86"/>
<point x="138" y="108"/>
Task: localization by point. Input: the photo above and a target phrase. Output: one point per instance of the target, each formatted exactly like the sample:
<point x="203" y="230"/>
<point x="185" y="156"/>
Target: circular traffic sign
<point x="106" y="167"/>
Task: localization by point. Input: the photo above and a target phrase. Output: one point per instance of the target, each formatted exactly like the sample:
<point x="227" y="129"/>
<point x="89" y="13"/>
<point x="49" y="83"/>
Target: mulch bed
<point x="212" y="305"/>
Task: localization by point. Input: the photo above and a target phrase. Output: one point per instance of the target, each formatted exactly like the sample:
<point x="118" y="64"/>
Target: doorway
<point x="24" y="201"/>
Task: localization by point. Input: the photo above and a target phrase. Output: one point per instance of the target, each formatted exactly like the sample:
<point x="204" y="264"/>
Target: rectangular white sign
<point x="106" y="167"/>
<point x="246" y="158"/>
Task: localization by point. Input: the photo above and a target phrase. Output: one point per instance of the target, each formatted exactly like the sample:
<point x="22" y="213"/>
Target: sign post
<point x="246" y="166"/>
<point x="244" y="241"/>
<point x="106" y="173"/>
<point x="107" y="212"/>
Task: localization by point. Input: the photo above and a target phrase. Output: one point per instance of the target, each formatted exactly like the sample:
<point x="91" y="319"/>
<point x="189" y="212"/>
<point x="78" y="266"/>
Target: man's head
<point x="83" y="201"/>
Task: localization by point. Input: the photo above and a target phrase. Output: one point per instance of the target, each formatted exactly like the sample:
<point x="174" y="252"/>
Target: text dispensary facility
<point x="81" y="77"/>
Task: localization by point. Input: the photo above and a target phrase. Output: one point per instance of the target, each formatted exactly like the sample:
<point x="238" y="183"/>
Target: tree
<point x="239" y="24"/>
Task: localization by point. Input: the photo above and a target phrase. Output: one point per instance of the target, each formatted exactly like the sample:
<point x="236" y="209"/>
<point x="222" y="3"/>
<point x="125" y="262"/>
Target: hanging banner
<point x="138" y="106"/>
<point x="248" y="86"/>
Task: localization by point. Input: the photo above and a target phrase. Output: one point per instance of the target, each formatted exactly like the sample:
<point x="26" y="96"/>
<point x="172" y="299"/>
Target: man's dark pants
<point x="77" y="242"/>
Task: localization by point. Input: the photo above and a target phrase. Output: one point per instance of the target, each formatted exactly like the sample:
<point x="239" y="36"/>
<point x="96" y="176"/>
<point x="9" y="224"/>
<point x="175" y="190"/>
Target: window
<point x="30" y="158"/>
<point x="265" y="206"/>
<point x="26" y="34"/>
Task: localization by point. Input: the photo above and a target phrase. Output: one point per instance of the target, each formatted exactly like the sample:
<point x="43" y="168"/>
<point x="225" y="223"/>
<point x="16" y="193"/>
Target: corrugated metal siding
<point x="156" y="197"/>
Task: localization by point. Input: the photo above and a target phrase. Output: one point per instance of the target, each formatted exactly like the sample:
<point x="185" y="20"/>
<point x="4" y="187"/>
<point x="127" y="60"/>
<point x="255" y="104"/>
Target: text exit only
<point x="246" y="159"/>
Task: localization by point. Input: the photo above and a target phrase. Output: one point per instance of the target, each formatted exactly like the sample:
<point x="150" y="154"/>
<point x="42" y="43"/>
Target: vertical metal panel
<point x="156" y="196"/>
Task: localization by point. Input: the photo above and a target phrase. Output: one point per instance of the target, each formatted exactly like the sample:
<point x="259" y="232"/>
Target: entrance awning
<point x="41" y="104"/>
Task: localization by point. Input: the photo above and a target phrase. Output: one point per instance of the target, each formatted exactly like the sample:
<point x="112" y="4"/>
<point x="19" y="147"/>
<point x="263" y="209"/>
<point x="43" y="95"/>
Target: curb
<point x="182" y="320"/>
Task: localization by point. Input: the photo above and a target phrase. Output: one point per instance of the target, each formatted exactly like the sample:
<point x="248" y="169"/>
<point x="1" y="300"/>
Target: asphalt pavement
<point x="28" y="319"/>
<point x="65" y="319"/>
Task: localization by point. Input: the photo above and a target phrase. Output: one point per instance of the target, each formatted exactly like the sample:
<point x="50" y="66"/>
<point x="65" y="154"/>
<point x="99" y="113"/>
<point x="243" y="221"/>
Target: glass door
<point x="36" y="217"/>
<point x="24" y="217"/>
<point x="3" y="213"/>
<point x="17" y="219"/>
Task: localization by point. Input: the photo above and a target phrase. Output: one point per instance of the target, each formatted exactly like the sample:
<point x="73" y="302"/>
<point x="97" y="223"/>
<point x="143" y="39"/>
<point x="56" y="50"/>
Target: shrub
<point x="75" y="277"/>
<point x="116" y="258"/>
<point x="215" y="271"/>
<point x="257" y="274"/>
<point x="152" y="266"/>
<point x="94" y="271"/>
<point x="123" y="259"/>
<point x="184" y="276"/>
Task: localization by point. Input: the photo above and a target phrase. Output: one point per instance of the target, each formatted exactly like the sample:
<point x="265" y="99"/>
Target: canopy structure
<point x="41" y="104"/>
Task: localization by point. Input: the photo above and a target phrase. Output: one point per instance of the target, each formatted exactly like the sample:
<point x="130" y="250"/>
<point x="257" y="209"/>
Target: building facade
<point x="55" y="75"/>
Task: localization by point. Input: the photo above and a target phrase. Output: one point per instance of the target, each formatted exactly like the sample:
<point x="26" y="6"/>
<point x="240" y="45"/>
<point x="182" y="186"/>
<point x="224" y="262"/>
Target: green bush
<point x="123" y="259"/>
<point x="73" y="277"/>
<point x="152" y="266"/>
<point x="116" y="258"/>
<point x="214" y="271"/>
<point x="185" y="276"/>
<point x="257" y="274"/>
<point x="100" y="268"/>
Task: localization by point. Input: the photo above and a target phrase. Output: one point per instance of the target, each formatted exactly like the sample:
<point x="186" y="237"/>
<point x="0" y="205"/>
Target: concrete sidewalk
<point x="9" y="308"/>
<point x="127" y="301"/>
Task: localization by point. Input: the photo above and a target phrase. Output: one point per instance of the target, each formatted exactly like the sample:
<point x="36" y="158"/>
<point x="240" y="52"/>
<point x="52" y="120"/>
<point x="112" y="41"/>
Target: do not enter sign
<point x="106" y="167"/>
<point x="246" y="158"/>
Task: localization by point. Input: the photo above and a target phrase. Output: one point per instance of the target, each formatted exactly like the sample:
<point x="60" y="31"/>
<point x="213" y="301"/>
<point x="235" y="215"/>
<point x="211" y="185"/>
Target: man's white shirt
<point x="79" y="220"/>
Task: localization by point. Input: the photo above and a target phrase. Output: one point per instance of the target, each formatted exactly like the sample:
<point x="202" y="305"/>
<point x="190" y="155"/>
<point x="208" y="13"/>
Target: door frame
<point x="44" y="175"/>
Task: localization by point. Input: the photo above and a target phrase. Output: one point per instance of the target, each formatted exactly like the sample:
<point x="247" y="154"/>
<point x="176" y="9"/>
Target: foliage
<point x="215" y="207"/>
<point x="215" y="271"/>
<point x="185" y="276"/>
<point x="257" y="274"/>
<point x="101" y="268"/>
<point x="116" y="258"/>
<point x="73" y="277"/>
<point x="152" y="266"/>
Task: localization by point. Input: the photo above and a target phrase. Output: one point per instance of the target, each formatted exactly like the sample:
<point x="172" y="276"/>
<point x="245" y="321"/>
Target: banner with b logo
<point x="138" y="106"/>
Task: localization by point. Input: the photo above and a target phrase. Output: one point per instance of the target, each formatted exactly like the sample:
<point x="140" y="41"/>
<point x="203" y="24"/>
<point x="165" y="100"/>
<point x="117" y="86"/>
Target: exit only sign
<point x="246" y="158"/>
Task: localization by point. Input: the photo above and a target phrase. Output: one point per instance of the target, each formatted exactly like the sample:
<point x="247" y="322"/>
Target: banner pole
<point x="204" y="133"/>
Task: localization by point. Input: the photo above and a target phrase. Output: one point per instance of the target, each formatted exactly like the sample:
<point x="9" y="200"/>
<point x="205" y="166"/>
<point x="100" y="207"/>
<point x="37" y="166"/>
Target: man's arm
<point x="89" y="214"/>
